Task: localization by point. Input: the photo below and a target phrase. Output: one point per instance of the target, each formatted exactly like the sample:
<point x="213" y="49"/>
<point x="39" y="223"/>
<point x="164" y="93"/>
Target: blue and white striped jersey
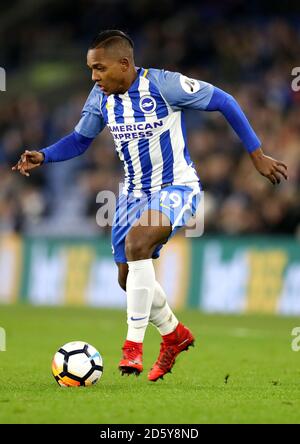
<point x="148" y="127"/>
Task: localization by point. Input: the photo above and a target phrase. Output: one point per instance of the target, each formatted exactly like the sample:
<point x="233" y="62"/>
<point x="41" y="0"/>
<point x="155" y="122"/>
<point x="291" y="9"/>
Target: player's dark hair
<point x="108" y="36"/>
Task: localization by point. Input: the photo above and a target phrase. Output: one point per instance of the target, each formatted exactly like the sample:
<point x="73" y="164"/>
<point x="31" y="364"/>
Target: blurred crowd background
<point x="246" y="48"/>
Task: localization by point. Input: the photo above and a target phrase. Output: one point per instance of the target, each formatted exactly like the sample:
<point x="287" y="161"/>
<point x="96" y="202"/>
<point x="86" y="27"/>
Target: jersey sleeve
<point x="183" y="92"/>
<point x="91" y="122"/>
<point x="226" y="104"/>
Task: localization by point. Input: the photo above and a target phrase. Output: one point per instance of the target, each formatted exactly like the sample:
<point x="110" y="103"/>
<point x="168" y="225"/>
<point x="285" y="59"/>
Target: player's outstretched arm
<point x="28" y="161"/>
<point x="271" y="168"/>
<point x="183" y="92"/>
<point x="268" y="167"/>
<point x="70" y="146"/>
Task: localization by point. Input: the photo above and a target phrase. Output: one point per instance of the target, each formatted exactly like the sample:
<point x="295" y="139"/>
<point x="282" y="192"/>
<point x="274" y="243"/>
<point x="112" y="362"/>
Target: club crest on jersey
<point x="147" y="104"/>
<point x="190" y="86"/>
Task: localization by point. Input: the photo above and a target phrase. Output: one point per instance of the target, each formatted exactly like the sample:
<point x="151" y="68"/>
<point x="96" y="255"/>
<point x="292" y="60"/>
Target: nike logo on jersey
<point x="137" y="319"/>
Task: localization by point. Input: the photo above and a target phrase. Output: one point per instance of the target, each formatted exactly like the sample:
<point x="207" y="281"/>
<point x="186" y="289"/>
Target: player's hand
<point x="271" y="168"/>
<point x="28" y="161"/>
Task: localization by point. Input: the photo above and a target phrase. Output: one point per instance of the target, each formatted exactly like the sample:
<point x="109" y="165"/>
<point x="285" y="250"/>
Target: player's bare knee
<point x="136" y="249"/>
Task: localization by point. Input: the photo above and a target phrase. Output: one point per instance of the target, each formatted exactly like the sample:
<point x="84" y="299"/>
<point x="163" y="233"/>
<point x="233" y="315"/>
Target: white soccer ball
<point x="77" y="364"/>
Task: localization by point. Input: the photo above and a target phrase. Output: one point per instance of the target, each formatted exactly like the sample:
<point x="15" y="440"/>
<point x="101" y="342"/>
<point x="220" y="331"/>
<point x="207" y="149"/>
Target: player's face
<point x="109" y="72"/>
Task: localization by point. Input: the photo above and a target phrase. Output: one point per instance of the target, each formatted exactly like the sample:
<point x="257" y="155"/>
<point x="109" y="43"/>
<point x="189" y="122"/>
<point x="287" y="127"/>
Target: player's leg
<point x="179" y="204"/>
<point x="142" y="288"/>
<point x="152" y="229"/>
<point x="141" y="246"/>
<point x="161" y="315"/>
<point x="175" y="336"/>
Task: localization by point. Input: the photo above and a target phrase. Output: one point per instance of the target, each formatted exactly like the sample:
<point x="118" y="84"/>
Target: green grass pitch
<point x="242" y="370"/>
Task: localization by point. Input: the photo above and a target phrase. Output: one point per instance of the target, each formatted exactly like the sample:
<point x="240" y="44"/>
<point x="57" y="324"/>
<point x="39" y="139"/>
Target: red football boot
<point x="173" y="344"/>
<point x="131" y="363"/>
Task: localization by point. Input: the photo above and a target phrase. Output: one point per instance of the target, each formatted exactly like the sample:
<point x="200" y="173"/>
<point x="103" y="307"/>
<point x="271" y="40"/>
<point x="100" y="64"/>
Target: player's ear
<point x="124" y="64"/>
